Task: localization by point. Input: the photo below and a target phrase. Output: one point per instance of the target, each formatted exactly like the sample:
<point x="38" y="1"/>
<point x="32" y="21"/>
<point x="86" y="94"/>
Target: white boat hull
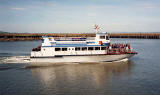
<point x="79" y="59"/>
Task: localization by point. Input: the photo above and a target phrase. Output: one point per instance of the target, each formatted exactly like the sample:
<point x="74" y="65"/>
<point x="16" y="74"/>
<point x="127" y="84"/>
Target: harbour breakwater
<point x="38" y="36"/>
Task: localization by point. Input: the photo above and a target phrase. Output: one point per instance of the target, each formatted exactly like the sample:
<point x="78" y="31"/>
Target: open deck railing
<point x="70" y="39"/>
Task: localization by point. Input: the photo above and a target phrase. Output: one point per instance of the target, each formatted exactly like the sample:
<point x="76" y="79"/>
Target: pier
<point x="38" y="36"/>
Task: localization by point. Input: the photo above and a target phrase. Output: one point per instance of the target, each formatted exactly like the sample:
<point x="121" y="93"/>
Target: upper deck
<point x="101" y="39"/>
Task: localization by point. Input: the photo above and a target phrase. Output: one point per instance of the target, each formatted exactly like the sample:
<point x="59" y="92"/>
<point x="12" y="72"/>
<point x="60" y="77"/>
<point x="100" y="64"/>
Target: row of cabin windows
<point x="104" y="37"/>
<point x="89" y="48"/>
<point x="81" y="48"/>
<point x="60" y="49"/>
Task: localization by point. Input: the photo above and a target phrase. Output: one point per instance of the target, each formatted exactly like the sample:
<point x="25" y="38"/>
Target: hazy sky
<point x="79" y="16"/>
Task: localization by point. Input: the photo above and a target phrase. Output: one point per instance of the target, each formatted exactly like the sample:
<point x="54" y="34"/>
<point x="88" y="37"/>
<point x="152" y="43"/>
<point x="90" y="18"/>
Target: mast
<point x="96" y="28"/>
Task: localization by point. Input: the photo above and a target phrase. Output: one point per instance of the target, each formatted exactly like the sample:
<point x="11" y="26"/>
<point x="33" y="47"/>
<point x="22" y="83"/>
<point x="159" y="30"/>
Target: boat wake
<point x="15" y="59"/>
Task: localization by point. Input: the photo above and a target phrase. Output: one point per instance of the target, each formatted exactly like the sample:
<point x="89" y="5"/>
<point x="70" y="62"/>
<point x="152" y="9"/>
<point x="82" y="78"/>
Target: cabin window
<point x="84" y="48"/>
<point x="57" y="49"/>
<point x="102" y="37"/>
<point x="90" y="48"/>
<point x="97" y="48"/>
<point x="107" y="38"/>
<point x="42" y="40"/>
<point x="77" y="49"/>
<point x="103" y="48"/>
<point x="64" y="49"/>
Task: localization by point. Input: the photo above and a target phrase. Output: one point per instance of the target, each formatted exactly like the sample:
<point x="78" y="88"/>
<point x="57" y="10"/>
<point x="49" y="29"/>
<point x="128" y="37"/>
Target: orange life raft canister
<point x="100" y="42"/>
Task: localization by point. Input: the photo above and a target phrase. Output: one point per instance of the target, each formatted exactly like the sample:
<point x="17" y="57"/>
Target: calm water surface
<point x="139" y="76"/>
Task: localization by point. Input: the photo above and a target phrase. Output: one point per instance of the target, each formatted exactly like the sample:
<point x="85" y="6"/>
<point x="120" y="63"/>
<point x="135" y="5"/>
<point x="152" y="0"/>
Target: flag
<point x="96" y="27"/>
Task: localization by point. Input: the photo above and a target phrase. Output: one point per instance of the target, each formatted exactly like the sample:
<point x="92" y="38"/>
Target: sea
<point x="140" y="75"/>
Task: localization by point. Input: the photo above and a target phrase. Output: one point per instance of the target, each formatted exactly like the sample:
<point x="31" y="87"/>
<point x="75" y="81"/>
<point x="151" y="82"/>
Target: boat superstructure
<point x="80" y="49"/>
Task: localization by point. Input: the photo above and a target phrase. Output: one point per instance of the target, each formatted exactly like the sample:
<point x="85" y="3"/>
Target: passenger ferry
<point x="80" y="49"/>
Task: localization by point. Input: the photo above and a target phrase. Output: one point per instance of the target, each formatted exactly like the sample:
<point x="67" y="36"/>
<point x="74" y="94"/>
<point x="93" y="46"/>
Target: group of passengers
<point x="119" y="48"/>
<point x="37" y="48"/>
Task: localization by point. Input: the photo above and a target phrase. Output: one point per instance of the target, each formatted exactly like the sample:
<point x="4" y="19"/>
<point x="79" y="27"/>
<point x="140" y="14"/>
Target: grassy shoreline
<point x="38" y="36"/>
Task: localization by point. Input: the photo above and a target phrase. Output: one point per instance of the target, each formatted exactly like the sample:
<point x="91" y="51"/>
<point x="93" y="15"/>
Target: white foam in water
<point x="15" y="59"/>
<point x="123" y="60"/>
